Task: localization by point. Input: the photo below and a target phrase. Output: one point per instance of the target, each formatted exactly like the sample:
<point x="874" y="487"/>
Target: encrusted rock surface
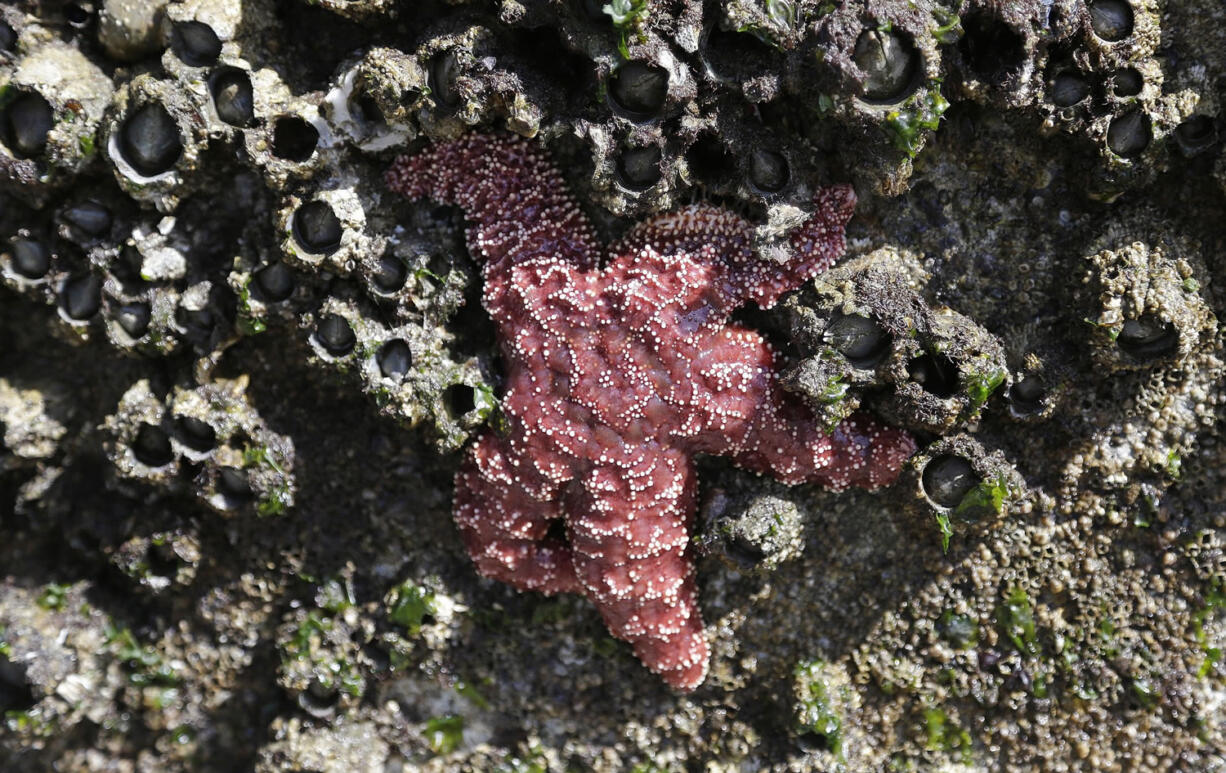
<point x="238" y="375"/>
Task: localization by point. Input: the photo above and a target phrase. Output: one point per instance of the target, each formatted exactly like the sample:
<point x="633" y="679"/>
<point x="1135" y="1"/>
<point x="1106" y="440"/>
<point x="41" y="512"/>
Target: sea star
<point x="621" y="366"/>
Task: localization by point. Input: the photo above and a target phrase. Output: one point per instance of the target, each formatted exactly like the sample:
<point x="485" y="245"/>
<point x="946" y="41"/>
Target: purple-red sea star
<point x="621" y="366"/>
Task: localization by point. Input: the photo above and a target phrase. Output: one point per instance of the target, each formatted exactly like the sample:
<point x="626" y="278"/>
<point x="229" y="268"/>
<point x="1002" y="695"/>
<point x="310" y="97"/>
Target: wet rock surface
<point x="235" y="373"/>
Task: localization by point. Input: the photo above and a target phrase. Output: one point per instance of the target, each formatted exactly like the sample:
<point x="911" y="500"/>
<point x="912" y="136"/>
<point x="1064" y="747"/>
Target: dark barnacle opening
<point x="25" y="124"/>
<point x="444" y="70"/>
<point x="390" y="274"/>
<point x="460" y="399"/>
<point x="335" y="335"/>
<point x="149" y="140"/>
<point x="195" y="43"/>
<point x="195" y="322"/>
<point x="395" y="358"/>
<point x="860" y="339"/>
<point x="233" y="96"/>
<point x="744" y="551"/>
<point x="936" y="373"/>
<point x="709" y="161"/>
<point x="639" y="168"/>
<point x="90" y="217"/>
<point x="1195" y="134"/>
<point x="275" y="282"/>
<point x="1147" y="337"/>
<point x="1026" y="395"/>
<point x="15" y="692"/>
<point x="162" y="560"/>
<point x="81" y="296"/>
<point x="364" y="108"/>
<point x="1111" y="20"/>
<point x="152" y="446"/>
<point x="293" y="138"/>
<point x="639" y="89"/>
<point x="30" y="258"/>
<point x="1129" y="134"/>
<point x="949" y="478"/>
<point x="768" y="170"/>
<point x="1068" y="88"/>
<point x="1127" y="82"/>
<point x="317" y="228"/>
<point x="126" y="267"/>
<point x="133" y="318"/>
<point x="196" y="434"/>
<point x="234" y="487"/>
<point x="891" y="65"/>
<point x="992" y="48"/>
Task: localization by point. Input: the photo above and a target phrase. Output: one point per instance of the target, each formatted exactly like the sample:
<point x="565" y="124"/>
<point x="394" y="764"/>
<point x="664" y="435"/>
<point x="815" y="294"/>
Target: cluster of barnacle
<point x="1101" y="69"/>
<point x="694" y="96"/>
<point x="1139" y="314"/>
<point x="322" y="662"/>
<point x="126" y="278"/>
<point x="112" y="214"/>
<point x="751" y="524"/>
<point x="665" y="98"/>
<point x="207" y="439"/>
<point x="865" y="334"/>
<point x="1094" y="68"/>
<point x="52" y="651"/>
<point x="1150" y="326"/>
<point x="29" y="431"/>
<point x="750" y="100"/>
<point x="867" y="337"/>
<point x="65" y="665"/>
<point x="324" y="644"/>
<point x="1121" y="377"/>
<point x="1110" y="80"/>
<point x="388" y="329"/>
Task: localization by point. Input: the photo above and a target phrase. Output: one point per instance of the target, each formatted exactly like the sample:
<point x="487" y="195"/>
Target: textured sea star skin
<point x="620" y="368"/>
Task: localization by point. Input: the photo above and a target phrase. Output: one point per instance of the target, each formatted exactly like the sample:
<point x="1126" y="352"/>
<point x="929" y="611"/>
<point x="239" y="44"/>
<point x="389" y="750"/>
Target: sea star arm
<point x="505" y="527"/>
<point x="784" y="442"/>
<point x="629" y="534"/>
<point x="725" y="240"/>
<point x="740" y="410"/>
<point x="689" y="230"/>
<point x="816" y="244"/>
<point x="514" y="198"/>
